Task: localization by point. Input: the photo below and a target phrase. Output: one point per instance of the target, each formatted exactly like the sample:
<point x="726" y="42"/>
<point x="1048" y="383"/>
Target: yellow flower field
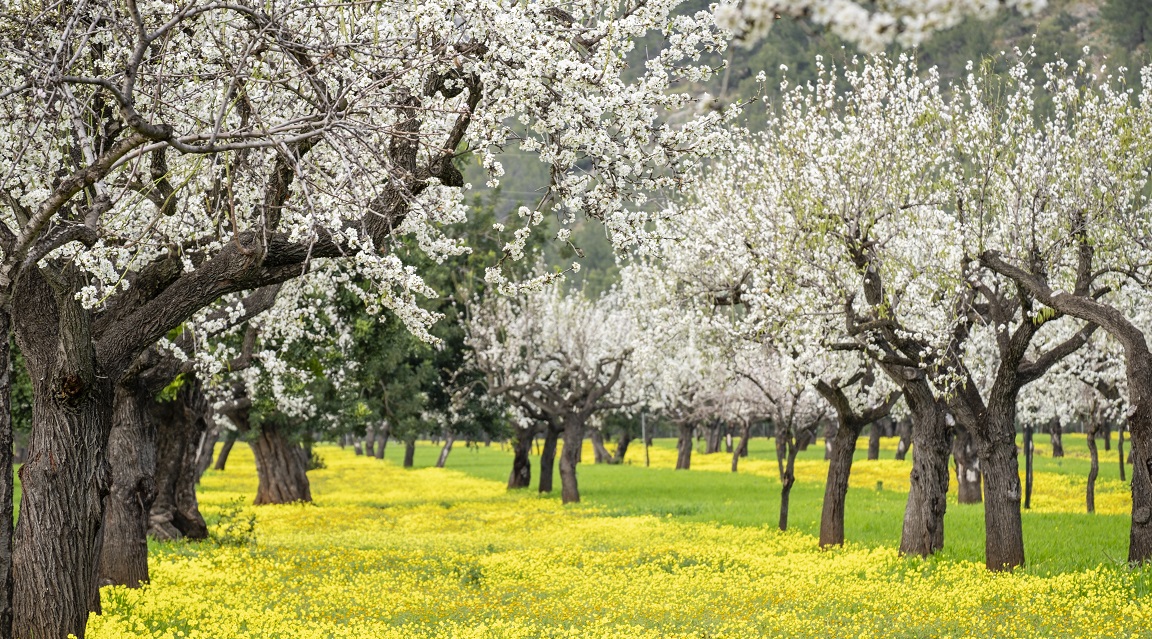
<point x="386" y="552"/>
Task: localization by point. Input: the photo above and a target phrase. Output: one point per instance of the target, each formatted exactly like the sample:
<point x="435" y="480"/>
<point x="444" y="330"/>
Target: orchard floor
<point x="651" y="552"/>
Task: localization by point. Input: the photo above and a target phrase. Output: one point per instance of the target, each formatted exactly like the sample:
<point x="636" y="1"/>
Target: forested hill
<point x="1118" y="32"/>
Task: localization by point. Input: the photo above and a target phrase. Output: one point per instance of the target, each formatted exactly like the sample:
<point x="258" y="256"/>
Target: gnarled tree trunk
<point x="280" y="468"/>
<point x="787" y="479"/>
<point x="622" y="443"/>
<point x="132" y="458"/>
<point x="600" y="454"/>
<point x="836" y="487"/>
<point x="6" y="481"/>
<point x="923" y="531"/>
<point x="521" y="475"/>
<point x="175" y="512"/>
<point x="1056" y="433"/>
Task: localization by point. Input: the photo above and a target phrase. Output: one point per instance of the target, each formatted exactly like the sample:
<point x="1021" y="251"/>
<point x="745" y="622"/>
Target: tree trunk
<point x="874" y="432"/>
<point x="370" y="441"/>
<point x="1120" y="449"/>
<point x="600" y="453"/>
<point x="1107" y="436"/>
<point x="742" y="447"/>
<point x="1056" y="433"/>
<point x="449" y="438"/>
<point x="728" y="442"/>
<point x="58" y="538"/>
<point x="548" y="458"/>
<point x="225" y="450"/>
<point x="279" y="467"/>
<point x="381" y="443"/>
<point x="132" y="457"/>
<point x="1028" y="450"/>
<point x="622" y="443"/>
<point x="923" y="530"/>
<point x="904" y="429"/>
<point x="569" y="457"/>
<point x="968" y="478"/>
<point x="787" y="479"/>
<point x="6" y="481"/>
<point x="409" y="452"/>
<point x="836" y="487"/>
<point x="175" y="513"/>
<point x="521" y="475"/>
<point x="713" y="437"/>
<point x="684" y="448"/>
<point x="1094" y="469"/>
<point x="1003" y="530"/>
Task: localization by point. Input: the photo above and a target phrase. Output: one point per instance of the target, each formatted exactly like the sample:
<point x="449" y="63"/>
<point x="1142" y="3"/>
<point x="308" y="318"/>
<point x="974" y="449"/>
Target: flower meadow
<point x="389" y="552"/>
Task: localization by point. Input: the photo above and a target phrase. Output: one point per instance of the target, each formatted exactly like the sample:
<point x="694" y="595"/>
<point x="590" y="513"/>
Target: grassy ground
<point x="651" y="552"/>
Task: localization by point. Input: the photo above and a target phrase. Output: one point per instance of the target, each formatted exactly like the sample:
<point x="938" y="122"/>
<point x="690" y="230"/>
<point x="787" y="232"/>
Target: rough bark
<point x="548" y="458"/>
<point x="836" y="486"/>
<point x="569" y="458"/>
<point x="58" y="537"/>
<point x="969" y="483"/>
<point x="1056" y="434"/>
<point x="6" y="480"/>
<point x="684" y="448"/>
<point x="923" y="530"/>
<point x="280" y="468"/>
<point x="225" y="450"/>
<point x="449" y="439"/>
<point x="175" y="513"/>
<point x="132" y="458"/>
<point x="409" y="452"/>
<point x="521" y="475"/>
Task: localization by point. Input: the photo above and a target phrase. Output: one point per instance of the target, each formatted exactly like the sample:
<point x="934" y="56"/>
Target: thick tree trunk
<point x="1094" y="469"/>
<point x="548" y="458"/>
<point x="600" y="454"/>
<point x="1056" y="433"/>
<point x="836" y="487"/>
<point x="713" y="436"/>
<point x="1028" y="450"/>
<point x="923" y="531"/>
<point x="874" y="432"/>
<point x="742" y="447"/>
<point x="622" y="443"/>
<point x="225" y="450"/>
<point x="6" y="480"/>
<point x="449" y="439"/>
<point x="279" y="467"/>
<point x="132" y="457"/>
<point x="1003" y="530"/>
<point x="58" y="538"/>
<point x="684" y="448"/>
<point x="175" y="513"/>
<point x="969" y="481"/>
<point x="904" y="430"/>
<point x="409" y="452"/>
<point x="521" y="475"/>
<point x="569" y="457"/>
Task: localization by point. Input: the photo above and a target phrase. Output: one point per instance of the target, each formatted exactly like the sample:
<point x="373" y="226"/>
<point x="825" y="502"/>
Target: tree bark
<point x="521" y="475"/>
<point x="874" y="433"/>
<point x="836" y="487"/>
<point x="175" y="512"/>
<point x="713" y="436"/>
<point x="280" y="468"/>
<point x="1107" y="436"/>
<point x="787" y="479"/>
<point x="600" y="454"/>
<point x="449" y="439"/>
<point x="58" y="538"/>
<point x="225" y="450"/>
<point x="1028" y="450"/>
<point x="132" y="457"/>
<point x="569" y="458"/>
<point x="622" y="443"/>
<point x="923" y="530"/>
<point x="684" y="448"/>
<point x="6" y="479"/>
<point x="409" y="452"/>
<point x="548" y="458"/>
<point x="370" y="441"/>
<point x="904" y="430"/>
<point x="1120" y="450"/>
<point x="742" y="447"/>
<point x="1056" y="434"/>
<point x="381" y="443"/>
<point x="969" y="482"/>
<point x="1094" y="469"/>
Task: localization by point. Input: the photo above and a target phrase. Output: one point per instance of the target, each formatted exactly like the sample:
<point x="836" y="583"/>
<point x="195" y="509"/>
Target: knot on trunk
<point x="1142" y="515"/>
<point x="69" y="389"/>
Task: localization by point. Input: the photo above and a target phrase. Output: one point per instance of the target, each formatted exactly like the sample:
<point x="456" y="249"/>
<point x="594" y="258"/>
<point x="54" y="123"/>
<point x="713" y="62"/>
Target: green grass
<point x="1054" y="541"/>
